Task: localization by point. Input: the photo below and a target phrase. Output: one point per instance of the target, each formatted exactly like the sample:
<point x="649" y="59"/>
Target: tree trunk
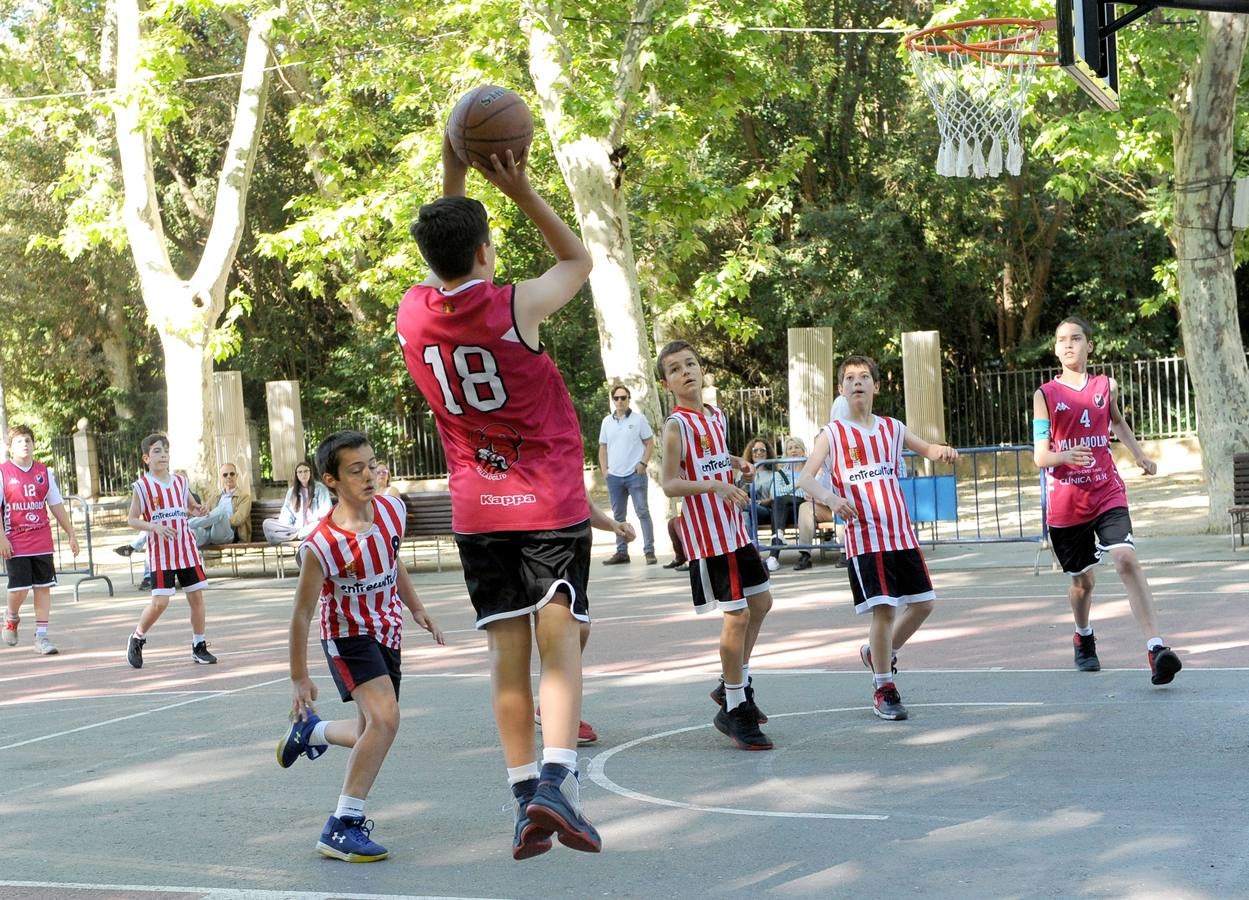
<point x="185" y="311"/>
<point x="118" y="362"/>
<point x="1039" y="278"/>
<point x="1208" y="317"/>
<point x="4" y="416"/>
<point x="594" y="183"/>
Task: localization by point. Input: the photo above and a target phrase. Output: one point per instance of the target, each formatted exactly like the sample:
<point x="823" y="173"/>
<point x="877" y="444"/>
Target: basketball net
<point x="977" y="75"/>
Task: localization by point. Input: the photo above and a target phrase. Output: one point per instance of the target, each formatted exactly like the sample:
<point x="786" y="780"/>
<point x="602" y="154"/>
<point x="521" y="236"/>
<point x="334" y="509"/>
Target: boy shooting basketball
<point x="725" y="569"/>
<point x="514" y="458"/>
<point x="349" y="566"/>
<point x="1073" y="417"/>
<point x="862" y="453"/>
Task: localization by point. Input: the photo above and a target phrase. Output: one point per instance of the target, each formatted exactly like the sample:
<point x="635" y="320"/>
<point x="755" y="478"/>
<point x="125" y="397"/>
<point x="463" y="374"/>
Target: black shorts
<point x="355" y="660"/>
<point x="164" y="581"/>
<point x="515" y="573"/>
<point x="1080" y="547"/>
<point x="725" y="581"/>
<point x="889" y="578"/>
<point x="27" y="572"/>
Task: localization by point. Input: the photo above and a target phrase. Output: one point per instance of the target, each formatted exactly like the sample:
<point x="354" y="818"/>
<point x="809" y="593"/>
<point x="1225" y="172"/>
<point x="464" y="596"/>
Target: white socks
<point x="349" y="807"/>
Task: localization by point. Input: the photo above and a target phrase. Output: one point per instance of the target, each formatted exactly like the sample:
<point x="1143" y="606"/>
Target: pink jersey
<point x="863" y="467"/>
<point x="360" y="594"/>
<point x="164" y="503"/>
<point x="27" y="495"/>
<point x="509" y="431"/>
<point x="710" y="525"/>
<point x="1080" y="417"/>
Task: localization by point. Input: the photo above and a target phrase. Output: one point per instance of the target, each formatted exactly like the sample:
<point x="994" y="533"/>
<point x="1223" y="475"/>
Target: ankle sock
<point x="1154" y="643"/>
<point x="881" y="680"/>
<point x="349" y="807"/>
<point x="734" y="695"/>
<point x="198" y="639"/>
<point x="517" y="774"/>
<point x="1085" y="632"/>
<point x="41" y="628"/>
<point x="566" y="757"/>
<point x="316" y="737"/>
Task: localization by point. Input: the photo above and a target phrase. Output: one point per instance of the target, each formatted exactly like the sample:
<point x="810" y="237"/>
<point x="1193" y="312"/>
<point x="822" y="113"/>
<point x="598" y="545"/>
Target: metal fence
<point x="995" y="406"/>
<point x="61" y="448"/>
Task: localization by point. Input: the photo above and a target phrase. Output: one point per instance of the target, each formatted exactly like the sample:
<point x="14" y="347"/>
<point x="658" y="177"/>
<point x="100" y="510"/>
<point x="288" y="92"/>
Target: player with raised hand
<point x="515" y="470"/>
<point x="1073" y="417"/>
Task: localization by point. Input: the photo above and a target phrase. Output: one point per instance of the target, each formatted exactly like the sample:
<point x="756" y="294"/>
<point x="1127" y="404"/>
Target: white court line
<point x="205" y="893"/>
<point x="148" y="712"/>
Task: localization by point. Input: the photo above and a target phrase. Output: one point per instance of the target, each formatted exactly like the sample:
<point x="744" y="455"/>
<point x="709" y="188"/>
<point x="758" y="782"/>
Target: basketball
<point x="490" y="119"/>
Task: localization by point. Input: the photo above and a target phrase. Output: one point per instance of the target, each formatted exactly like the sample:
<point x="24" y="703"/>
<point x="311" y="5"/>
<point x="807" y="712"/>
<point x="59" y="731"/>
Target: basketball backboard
<point x="1087" y="50"/>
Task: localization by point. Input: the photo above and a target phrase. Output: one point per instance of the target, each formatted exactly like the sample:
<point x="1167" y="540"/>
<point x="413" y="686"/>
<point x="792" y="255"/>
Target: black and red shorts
<point x="355" y="660"/>
<point x="726" y="581"/>
<point x="889" y="578"/>
<point x="166" y="581"/>
<point x="1080" y="547"/>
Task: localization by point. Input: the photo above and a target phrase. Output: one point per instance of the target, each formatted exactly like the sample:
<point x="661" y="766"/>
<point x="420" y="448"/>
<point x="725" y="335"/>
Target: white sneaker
<point x="773" y="563"/>
<point x="10" y="632"/>
<point x="44" y="647"/>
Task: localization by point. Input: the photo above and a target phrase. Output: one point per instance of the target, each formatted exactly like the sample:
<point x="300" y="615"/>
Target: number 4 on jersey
<point x="480" y="385"/>
<point x="1084" y="418"/>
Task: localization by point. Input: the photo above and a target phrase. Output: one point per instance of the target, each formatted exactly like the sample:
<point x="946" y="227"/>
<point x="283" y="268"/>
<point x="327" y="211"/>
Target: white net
<point x="977" y="75"/>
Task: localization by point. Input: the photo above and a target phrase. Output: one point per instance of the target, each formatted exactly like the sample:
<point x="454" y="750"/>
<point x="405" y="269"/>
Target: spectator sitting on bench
<point x="306" y="504"/>
<point x="229" y="518"/>
<point x="384" y="487"/>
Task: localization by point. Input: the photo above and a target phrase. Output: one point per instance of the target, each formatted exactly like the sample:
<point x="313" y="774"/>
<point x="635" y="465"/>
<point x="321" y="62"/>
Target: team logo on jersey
<point x="448" y="307"/>
<point x="498" y="449"/>
<point x="856" y="456"/>
<point x="1061" y="407"/>
<point x="1099" y="400"/>
<point x="704" y="443"/>
<point x="38" y="479"/>
<point x="349" y="570"/>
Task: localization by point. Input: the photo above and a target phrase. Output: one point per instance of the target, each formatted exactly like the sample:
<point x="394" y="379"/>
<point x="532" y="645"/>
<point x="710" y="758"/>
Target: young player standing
<point x="350" y="566"/>
<point x="1072" y="419"/>
<point x="515" y="463"/>
<point x="160" y="507"/>
<point x="28" y="494"/>
<point x="862" y="453"/>
<point x="725" y="569"/>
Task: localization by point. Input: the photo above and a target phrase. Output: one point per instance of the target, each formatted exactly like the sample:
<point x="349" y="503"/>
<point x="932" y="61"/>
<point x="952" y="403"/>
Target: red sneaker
<point x="585" y="732"/>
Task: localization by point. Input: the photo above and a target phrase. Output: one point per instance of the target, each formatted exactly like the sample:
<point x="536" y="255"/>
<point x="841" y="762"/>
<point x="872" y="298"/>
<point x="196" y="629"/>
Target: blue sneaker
<point x="556" y="807"/>
<point x="348" y="839"/>
<point x="528" y="839"/>
<point x="295" y="742"/>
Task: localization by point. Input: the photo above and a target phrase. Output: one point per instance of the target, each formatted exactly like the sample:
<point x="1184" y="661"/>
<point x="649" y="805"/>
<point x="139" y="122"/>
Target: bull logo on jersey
<point x="1099" y="400"/>
<point x="498" y="449"/>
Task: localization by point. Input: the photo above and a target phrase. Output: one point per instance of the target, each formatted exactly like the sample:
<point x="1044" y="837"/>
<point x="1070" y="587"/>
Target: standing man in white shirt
<point x="625" y="445"/>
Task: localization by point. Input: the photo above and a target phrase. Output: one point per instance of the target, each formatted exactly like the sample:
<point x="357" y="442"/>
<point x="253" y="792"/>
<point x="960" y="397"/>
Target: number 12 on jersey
<point x="477" y="374"/>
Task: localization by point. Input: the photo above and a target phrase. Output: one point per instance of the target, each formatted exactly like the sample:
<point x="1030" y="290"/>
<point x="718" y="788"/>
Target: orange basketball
<point x="490" y="119"/>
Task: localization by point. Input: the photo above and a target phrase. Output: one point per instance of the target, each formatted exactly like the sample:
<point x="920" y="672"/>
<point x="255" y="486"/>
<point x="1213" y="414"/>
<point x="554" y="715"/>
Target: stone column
<point x="86" y="461"/>
<point x="812" y="381"/>
<point x="286" y="427"/>
<point x="922" y="386"/>
<point x="231" y="441"/>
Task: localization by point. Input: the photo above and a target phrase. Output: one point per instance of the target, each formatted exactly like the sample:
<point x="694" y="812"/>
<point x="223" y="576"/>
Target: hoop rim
<point x="1004" y="46"/>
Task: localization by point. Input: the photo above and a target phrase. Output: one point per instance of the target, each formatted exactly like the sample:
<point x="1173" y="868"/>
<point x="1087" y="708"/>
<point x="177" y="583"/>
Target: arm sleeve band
<point x="1040" y="429"/>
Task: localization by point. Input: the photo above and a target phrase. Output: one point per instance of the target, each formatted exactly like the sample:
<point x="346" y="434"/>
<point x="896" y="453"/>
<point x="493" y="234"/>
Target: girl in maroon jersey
<point x="1073" y="417"/>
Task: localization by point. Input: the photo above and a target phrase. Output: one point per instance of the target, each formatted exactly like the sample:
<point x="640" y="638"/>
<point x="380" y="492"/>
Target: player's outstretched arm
<point x="809" y="481"/>
<point x="454" y="171"/>
<point x="1042" y="454"/>
<point x="1123" y="431"/>
<point x="539" y="297"/>
<point x="409" y="598"/>
<point x="935" y="452"/>
<point x="307" y="592"/>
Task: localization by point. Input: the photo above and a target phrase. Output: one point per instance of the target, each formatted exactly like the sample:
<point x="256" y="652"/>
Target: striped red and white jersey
<point x="360" y="594"/>
<point x="165" y="503"/>
<point x="863" y="467"/>
<point x="710" y="525"/>
<point x="26" y="496"/>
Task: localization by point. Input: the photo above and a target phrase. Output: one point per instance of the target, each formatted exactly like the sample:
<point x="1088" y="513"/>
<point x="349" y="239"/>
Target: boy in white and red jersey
<point x="861" y="454"/>
<point x="1073" y="417"/>
<point x="162" y="501"/>
<point x="725" y="569"/>
<point x="349" y="566"/>
<point x="516" y="474"/>
<point x="28" y="494"/>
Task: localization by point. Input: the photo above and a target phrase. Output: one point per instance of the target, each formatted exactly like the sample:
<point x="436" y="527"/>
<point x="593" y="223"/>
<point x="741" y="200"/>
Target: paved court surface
<point x="1015" y="777"/>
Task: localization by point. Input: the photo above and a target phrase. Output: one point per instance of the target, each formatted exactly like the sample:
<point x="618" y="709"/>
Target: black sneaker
<point x="616" y="559"/>
<point x="123" y="550"/>
<point x="1163" y="664"/>
<point x="804" y="561"/>
<point x="718" y="697"/>
<point x="556" y="809"/>
<point x="134" y="651"/>
<point x="742" y="728"/>
<point x="199" y="653"/>
<point x="675" y="564"/>
<point x="1086" y="653"/>
<point x="887" y="704"/>
<point x="528" y="840"/>
<point x="146" y="583"/>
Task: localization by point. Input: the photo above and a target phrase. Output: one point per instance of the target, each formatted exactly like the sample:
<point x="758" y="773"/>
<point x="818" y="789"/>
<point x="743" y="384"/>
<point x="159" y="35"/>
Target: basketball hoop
<point x="977" y="75"/>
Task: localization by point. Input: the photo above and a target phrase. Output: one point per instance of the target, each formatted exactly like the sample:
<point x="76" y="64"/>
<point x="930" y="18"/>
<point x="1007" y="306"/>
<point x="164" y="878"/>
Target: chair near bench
<point x="1238" y="512"/>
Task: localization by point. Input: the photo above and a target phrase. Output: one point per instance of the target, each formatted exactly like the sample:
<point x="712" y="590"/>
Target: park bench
<point x="1239" y="510"/>
<point x="261" y="510"/>
<point x="429" y="519"/>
